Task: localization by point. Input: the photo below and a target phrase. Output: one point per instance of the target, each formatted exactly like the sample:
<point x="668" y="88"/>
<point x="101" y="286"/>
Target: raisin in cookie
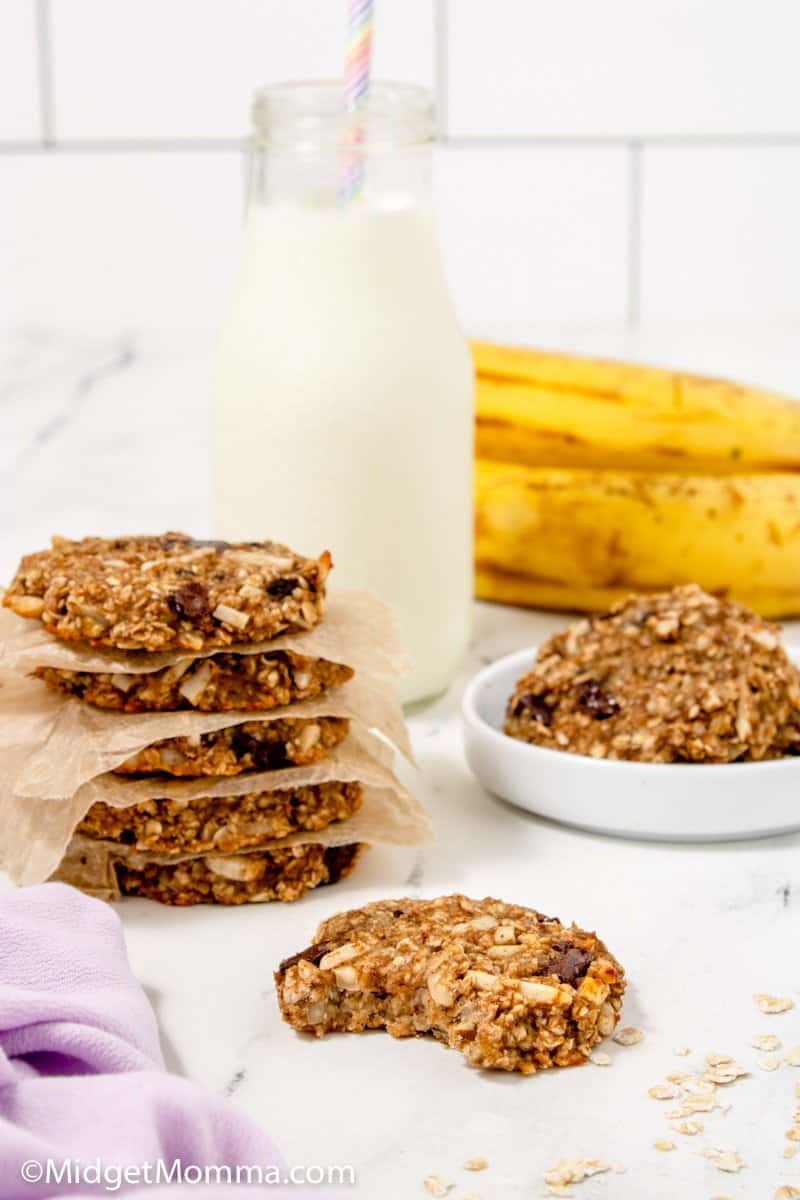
<point x="251" y="746"/>
<point x="219" y="683"/>
<point x="508" y="987"/>
<point x="678" y="676"/>
<point x="221" y="824"/>
<point x="244" y="879"/>
<point x="169" y="592"/>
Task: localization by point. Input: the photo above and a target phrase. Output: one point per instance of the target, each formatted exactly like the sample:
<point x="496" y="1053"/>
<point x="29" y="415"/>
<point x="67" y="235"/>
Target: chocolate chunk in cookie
<point x="169" y="592"/>
<point x="509" y="988"/>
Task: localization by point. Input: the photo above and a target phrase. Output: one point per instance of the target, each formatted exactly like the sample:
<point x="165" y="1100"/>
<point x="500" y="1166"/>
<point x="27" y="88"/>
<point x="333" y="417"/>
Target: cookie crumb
<point x="662" y="1144"/>
<point x="476" y="1164"/>
<point x="773" y="1004"/>
<point x="629" y="1035"/>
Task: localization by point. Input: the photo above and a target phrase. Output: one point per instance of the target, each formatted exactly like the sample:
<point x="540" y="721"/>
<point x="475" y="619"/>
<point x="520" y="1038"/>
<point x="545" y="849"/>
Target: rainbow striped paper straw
<point x="358" y="61"/>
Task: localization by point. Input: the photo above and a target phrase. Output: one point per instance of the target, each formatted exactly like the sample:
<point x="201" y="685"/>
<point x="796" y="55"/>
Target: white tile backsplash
<point x="721" y="233"/>
<point x="549" y="107"/>
<point x="622" y="67"/>
<point x="188" y="68"/>
<point x="534" y="236"/>
<point x="119" y="239"/>
<point x="19" y="79"/>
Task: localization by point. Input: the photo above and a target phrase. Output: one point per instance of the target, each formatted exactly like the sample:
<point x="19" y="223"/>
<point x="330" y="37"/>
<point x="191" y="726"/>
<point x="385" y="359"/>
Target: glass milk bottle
<point x="343" y="391"/>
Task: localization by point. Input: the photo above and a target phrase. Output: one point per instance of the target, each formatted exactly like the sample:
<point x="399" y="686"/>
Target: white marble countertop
<point x="108" y="433"/>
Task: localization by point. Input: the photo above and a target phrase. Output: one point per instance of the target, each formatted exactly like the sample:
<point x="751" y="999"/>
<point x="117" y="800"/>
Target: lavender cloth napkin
<point x="81" y="1072"/>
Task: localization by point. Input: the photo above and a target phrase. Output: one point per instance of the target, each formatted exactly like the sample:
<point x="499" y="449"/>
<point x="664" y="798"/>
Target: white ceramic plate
<point x="664" y="801"/>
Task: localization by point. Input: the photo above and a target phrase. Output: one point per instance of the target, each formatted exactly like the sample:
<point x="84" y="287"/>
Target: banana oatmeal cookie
<point x="252" y="746"/>
<point x="219" y="683"/>
<point x="222" y="824"/>
<point x="678" y="676"/>
<point x="508" y="987"/>
<point x="246" y="879"/>
<point x="169" y="592"/>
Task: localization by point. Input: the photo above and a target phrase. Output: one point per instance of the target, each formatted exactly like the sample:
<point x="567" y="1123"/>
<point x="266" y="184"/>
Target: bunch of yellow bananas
<point x="595" y="479"/>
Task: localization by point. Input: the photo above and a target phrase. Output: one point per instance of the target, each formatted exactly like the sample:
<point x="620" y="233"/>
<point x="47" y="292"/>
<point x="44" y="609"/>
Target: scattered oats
<point x="725" y="1073"/>
<point x="787" y="1192"/>
<point x="558" y="1189"/>
<point x="476" y="1164"/>
<point x="792" y="1057"/>
<point x="678" y="1077"/>
<point x="674" y="1113"/>
<point x="436" y="1186"/>
<point x="573" y="1171"/>
<point x="793" y="1134"/>
<point x="773" y="1004"/>
<point x="662" y="1144"/>
<point x="618" y="1169"/>
<point x="600" y="1058"/>
<point x="682" y="1051"/>
<point x="698" y="1104"/>
<point x="690" y="1128"/>
<point x="768" y="1062"/>
<point x="716" y="1060"/>
<point x="471" y="1196"/>
<point x="789" y="1151"/>
<point x="629" y="1035"/>
<point x="699" y="1087"/>
<point x="765" y="1041"/>
<point x="724" y="1160"/>
<point x="663" y="1091"/>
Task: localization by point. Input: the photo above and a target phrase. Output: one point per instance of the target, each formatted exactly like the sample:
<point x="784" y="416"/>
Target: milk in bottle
<point x="343" y="390"/>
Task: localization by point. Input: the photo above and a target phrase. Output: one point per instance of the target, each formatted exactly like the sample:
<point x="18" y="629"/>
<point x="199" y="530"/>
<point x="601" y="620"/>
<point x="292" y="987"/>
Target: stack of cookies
<point x="203" y="755"/>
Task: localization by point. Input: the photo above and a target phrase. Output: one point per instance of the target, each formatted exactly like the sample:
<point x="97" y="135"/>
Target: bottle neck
<point x="310" y="149"/>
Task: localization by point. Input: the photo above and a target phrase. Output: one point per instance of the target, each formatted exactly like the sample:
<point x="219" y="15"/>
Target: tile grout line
<point x="123" y="146"/>
<point x="188" y="144"/>
<point x="440" y="82"/>
<point x="634" y="259"/>
<point x="620" y="141"/>
<point x="44" y="63"/>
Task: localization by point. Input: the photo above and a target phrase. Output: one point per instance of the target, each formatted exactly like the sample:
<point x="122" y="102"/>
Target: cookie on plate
<point x="169" y="592"/>
<point x="676" y="676"/>
<point x="509" y="988"/>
